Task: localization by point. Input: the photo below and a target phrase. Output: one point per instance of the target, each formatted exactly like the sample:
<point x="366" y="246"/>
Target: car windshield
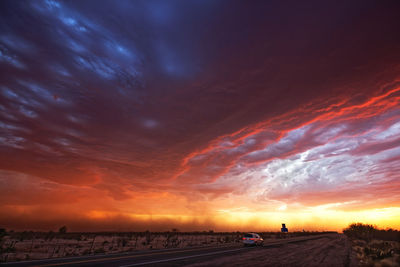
<point x="248" y="235"/>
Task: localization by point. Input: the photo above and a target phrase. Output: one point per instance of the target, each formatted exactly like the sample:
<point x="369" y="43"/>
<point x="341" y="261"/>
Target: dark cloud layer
<point x="132" y="97"/>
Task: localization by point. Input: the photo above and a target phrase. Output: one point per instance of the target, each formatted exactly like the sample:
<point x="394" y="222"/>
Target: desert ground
<point x="33" y="245"/>
<point x="379" y="248"/>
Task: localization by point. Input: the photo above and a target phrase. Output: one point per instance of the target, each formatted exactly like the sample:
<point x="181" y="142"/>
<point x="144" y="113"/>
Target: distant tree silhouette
<point x="368" y="232"/>
<point x="360" y="231"/>
<point x="3" y="231"/>
<point x="62" y="230"/>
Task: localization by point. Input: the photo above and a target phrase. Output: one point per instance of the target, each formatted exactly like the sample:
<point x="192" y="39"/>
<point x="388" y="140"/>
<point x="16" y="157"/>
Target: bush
<point x="368" y="232"/>
<point x="62" y="230"/>
<point x="3" y="232"/>
<point x="374" y="247"/>
<point x="360" y="231"/>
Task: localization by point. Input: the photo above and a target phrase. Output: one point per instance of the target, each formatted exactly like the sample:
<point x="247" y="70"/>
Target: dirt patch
<point x="333" y="250"/>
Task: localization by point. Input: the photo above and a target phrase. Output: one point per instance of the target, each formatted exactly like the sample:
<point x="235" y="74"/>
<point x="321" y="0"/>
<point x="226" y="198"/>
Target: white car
<point x="252" y="239"/>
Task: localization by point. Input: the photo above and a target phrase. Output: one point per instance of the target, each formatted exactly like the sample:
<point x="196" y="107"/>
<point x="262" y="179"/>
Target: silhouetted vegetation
<point x="368" y="232"/>
<point x="374" y="246"/>
<point x="3" y="232"/>
<point x="62" y="230"/>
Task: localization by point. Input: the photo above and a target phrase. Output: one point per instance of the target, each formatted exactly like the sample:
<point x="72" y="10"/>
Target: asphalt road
<point x="165" y="257"/>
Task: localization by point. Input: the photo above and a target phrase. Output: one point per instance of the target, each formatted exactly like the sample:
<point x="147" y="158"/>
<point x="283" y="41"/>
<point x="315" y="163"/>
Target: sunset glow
<point x="199" y="115"/>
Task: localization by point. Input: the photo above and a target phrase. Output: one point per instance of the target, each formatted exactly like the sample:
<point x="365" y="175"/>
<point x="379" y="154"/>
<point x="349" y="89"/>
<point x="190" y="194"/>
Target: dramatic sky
<point x="198" y="115"/>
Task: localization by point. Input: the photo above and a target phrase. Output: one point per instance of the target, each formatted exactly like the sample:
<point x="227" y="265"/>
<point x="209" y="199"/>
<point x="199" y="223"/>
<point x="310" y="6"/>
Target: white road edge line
<point x="181" y="258"/>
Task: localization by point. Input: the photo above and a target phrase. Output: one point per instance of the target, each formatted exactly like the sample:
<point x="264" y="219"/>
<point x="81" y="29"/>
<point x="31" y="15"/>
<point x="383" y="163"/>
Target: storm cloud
<point x="192" y="102"/>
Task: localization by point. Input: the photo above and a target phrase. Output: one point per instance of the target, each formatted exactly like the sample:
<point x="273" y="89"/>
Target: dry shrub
<point x="374" y="247"/>
<point x="368" y="232"/>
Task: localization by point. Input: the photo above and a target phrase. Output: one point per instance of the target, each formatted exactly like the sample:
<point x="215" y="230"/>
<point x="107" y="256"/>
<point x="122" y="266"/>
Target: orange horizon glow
<point x="310" y="219"/>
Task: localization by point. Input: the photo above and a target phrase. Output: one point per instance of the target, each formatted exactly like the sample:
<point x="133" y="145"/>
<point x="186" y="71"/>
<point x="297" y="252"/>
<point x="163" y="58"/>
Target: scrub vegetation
<point x="374" y="247"/>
